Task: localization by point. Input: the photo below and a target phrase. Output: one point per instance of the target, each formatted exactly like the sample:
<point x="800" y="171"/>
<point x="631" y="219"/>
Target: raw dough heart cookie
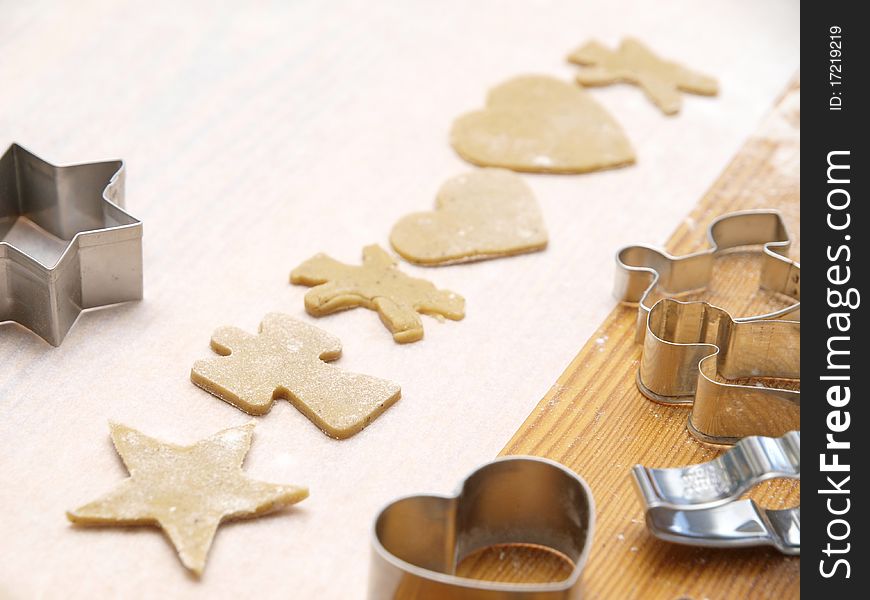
<point x="286" y="360"/>
<point x="188" y="491"/>
<point x="541" y="125"/>
<point x="661" y="80"/>
<point x="483" y="214"/>
<point x="377" y="285"/>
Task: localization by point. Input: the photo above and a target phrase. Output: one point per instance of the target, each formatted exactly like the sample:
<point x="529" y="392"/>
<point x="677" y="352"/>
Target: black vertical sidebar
<point x="834" y="363"/>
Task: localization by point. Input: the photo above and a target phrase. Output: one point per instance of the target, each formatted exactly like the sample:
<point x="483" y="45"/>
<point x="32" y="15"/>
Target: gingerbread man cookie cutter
<point x="688" y="346"/>
<point x="700" y="505"/>
<point x="642" y="270"/>
<point x="418" y="541"/>
<point x="66" y="243"/>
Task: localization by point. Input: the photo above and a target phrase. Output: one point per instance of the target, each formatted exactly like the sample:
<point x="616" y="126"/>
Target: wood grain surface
<point x="595" y="421"/>
<point x="257" y="134"/>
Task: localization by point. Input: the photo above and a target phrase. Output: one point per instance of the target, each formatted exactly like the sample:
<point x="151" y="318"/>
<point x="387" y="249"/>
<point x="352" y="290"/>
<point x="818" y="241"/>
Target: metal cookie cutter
<point x="641" y="269"/>
<point x="65" y="242"/>
<point x="700" y="506"/>
<point x="419" y="540"/>
<point x="690" y="345"/>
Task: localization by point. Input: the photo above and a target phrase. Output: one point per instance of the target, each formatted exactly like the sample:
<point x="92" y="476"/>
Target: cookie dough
<point x="661" y="80"/>
<point x="483" y="214"/>
<point x="540" y="124"/>
<point x="286" y="360"/>
<point x="377" y="285"/>
<point x="185" y="490"/>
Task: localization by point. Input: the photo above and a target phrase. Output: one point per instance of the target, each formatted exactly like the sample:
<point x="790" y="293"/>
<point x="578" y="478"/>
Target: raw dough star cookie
<point x="376" y="285"/>
<point x="661" y="80"/>
<point x="483" y="214"/>
<point x="541" y="125"/>
<point x="286" y="360"/>
<point x="186" y="490"/>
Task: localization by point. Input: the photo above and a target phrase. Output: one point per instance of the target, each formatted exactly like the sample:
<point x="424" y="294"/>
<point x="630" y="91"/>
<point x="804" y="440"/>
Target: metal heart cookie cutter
<point x="688" y="347"/>
<point x="418" y="541"/>
<point x="66" y="244"/>
<point x="700" y="505"/>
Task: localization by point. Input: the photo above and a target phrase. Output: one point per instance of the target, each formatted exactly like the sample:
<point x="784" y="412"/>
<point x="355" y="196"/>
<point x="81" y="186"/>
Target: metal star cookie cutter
<point x="700" y="505"/>
<point x="418" y="541"/>
<point x="66" y="244"/>
<point x="642" y="269"/>
<point x="690" y="346"/>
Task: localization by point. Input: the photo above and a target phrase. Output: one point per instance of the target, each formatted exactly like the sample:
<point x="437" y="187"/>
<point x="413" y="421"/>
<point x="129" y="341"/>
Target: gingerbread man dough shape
<point x="377" y="285"/>
<point x="286" y="360"/>
<point x="661" y="80"/>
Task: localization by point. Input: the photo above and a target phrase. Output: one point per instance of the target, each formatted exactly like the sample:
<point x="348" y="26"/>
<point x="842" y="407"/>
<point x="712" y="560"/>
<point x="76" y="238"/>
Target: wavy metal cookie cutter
<point x="700" y="505"/>
<point x="418" y="541"/>
<point x="66" y="244"/>
<point x="689" y="346"/>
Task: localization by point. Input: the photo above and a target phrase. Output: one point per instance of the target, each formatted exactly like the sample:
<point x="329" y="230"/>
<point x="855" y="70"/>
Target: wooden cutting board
<point x="595" y="421"/>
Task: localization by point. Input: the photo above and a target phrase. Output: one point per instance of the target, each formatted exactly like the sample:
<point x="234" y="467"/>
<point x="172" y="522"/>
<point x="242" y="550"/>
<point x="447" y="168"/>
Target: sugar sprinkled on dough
<point x="188" y="491"/>
<point x="484" y="214"/>
<point x="540" y="124"/>
<point x="286" y="360"/>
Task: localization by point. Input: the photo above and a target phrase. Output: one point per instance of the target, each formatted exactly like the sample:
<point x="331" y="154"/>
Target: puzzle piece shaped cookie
<point x="488" y="213"/>
<point x="661" y="80"/>
<point x="540" y="124"/>
<point x="286" y="360"/>
<point x="377" y="285"/>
